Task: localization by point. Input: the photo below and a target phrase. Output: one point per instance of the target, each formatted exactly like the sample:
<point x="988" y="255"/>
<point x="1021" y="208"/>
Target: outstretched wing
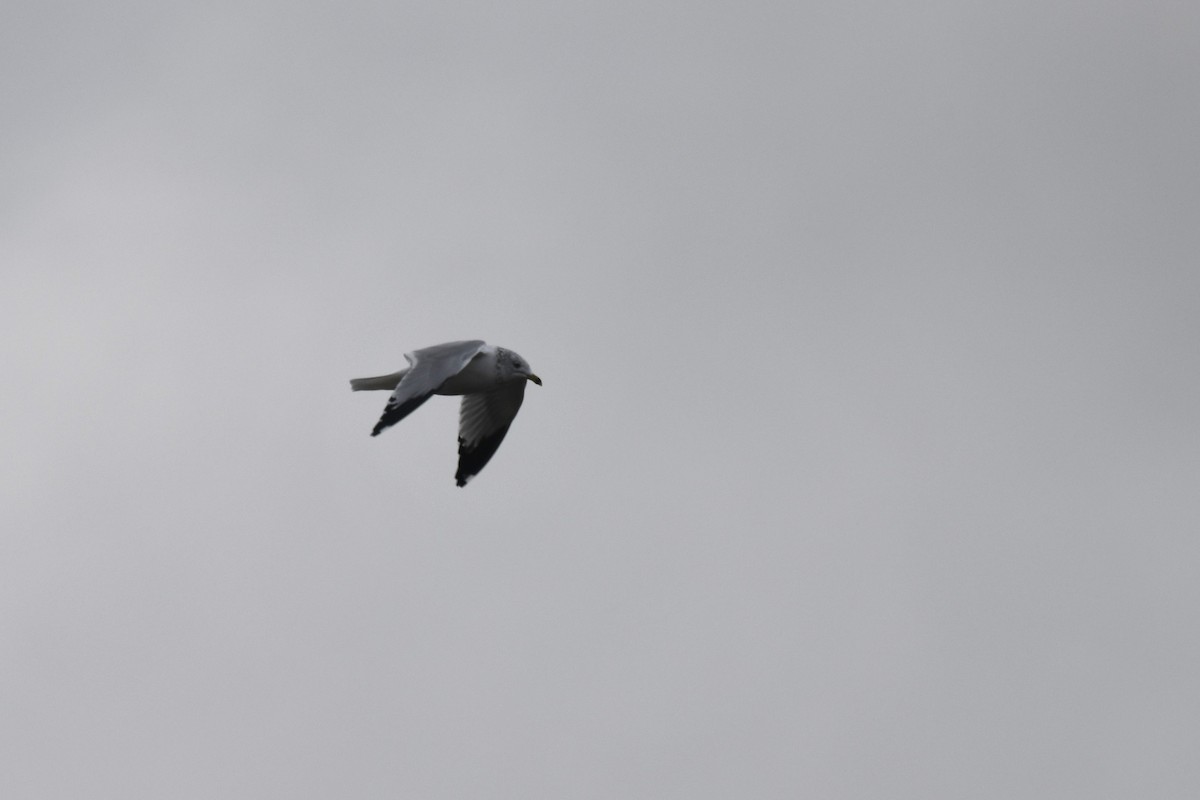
<point x="430" y="368"/>
<point x="484" y="419"/>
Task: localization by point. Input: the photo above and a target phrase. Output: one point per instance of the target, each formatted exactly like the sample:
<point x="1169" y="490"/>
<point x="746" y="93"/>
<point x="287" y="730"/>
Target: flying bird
<point x="490" y="379"/>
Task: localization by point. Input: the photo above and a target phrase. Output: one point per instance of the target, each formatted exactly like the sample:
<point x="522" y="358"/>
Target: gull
<point x="490" y="379"/>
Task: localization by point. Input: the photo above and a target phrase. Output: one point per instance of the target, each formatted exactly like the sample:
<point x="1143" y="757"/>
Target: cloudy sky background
<point x="866" y="464"/>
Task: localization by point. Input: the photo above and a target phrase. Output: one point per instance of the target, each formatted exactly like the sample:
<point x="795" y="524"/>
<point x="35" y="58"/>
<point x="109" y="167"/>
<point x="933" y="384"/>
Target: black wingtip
<point x="473" y="459"/>
<point x="394" y="413"/>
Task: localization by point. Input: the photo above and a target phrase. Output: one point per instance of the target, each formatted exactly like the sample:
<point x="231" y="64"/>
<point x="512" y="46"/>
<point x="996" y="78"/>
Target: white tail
<point x="383" y="382"/>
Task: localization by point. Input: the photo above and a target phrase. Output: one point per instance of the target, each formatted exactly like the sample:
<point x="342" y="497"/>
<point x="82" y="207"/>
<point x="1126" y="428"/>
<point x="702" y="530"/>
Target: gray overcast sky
<point x="867" y="460"/>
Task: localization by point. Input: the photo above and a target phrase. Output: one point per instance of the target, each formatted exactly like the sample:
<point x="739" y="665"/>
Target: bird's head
<point x="516" y="368"/>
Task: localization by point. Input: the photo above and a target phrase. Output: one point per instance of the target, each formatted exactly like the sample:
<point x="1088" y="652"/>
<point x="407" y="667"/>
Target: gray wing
<point x="483" y="422"/>
<point x="430" y="368"/>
